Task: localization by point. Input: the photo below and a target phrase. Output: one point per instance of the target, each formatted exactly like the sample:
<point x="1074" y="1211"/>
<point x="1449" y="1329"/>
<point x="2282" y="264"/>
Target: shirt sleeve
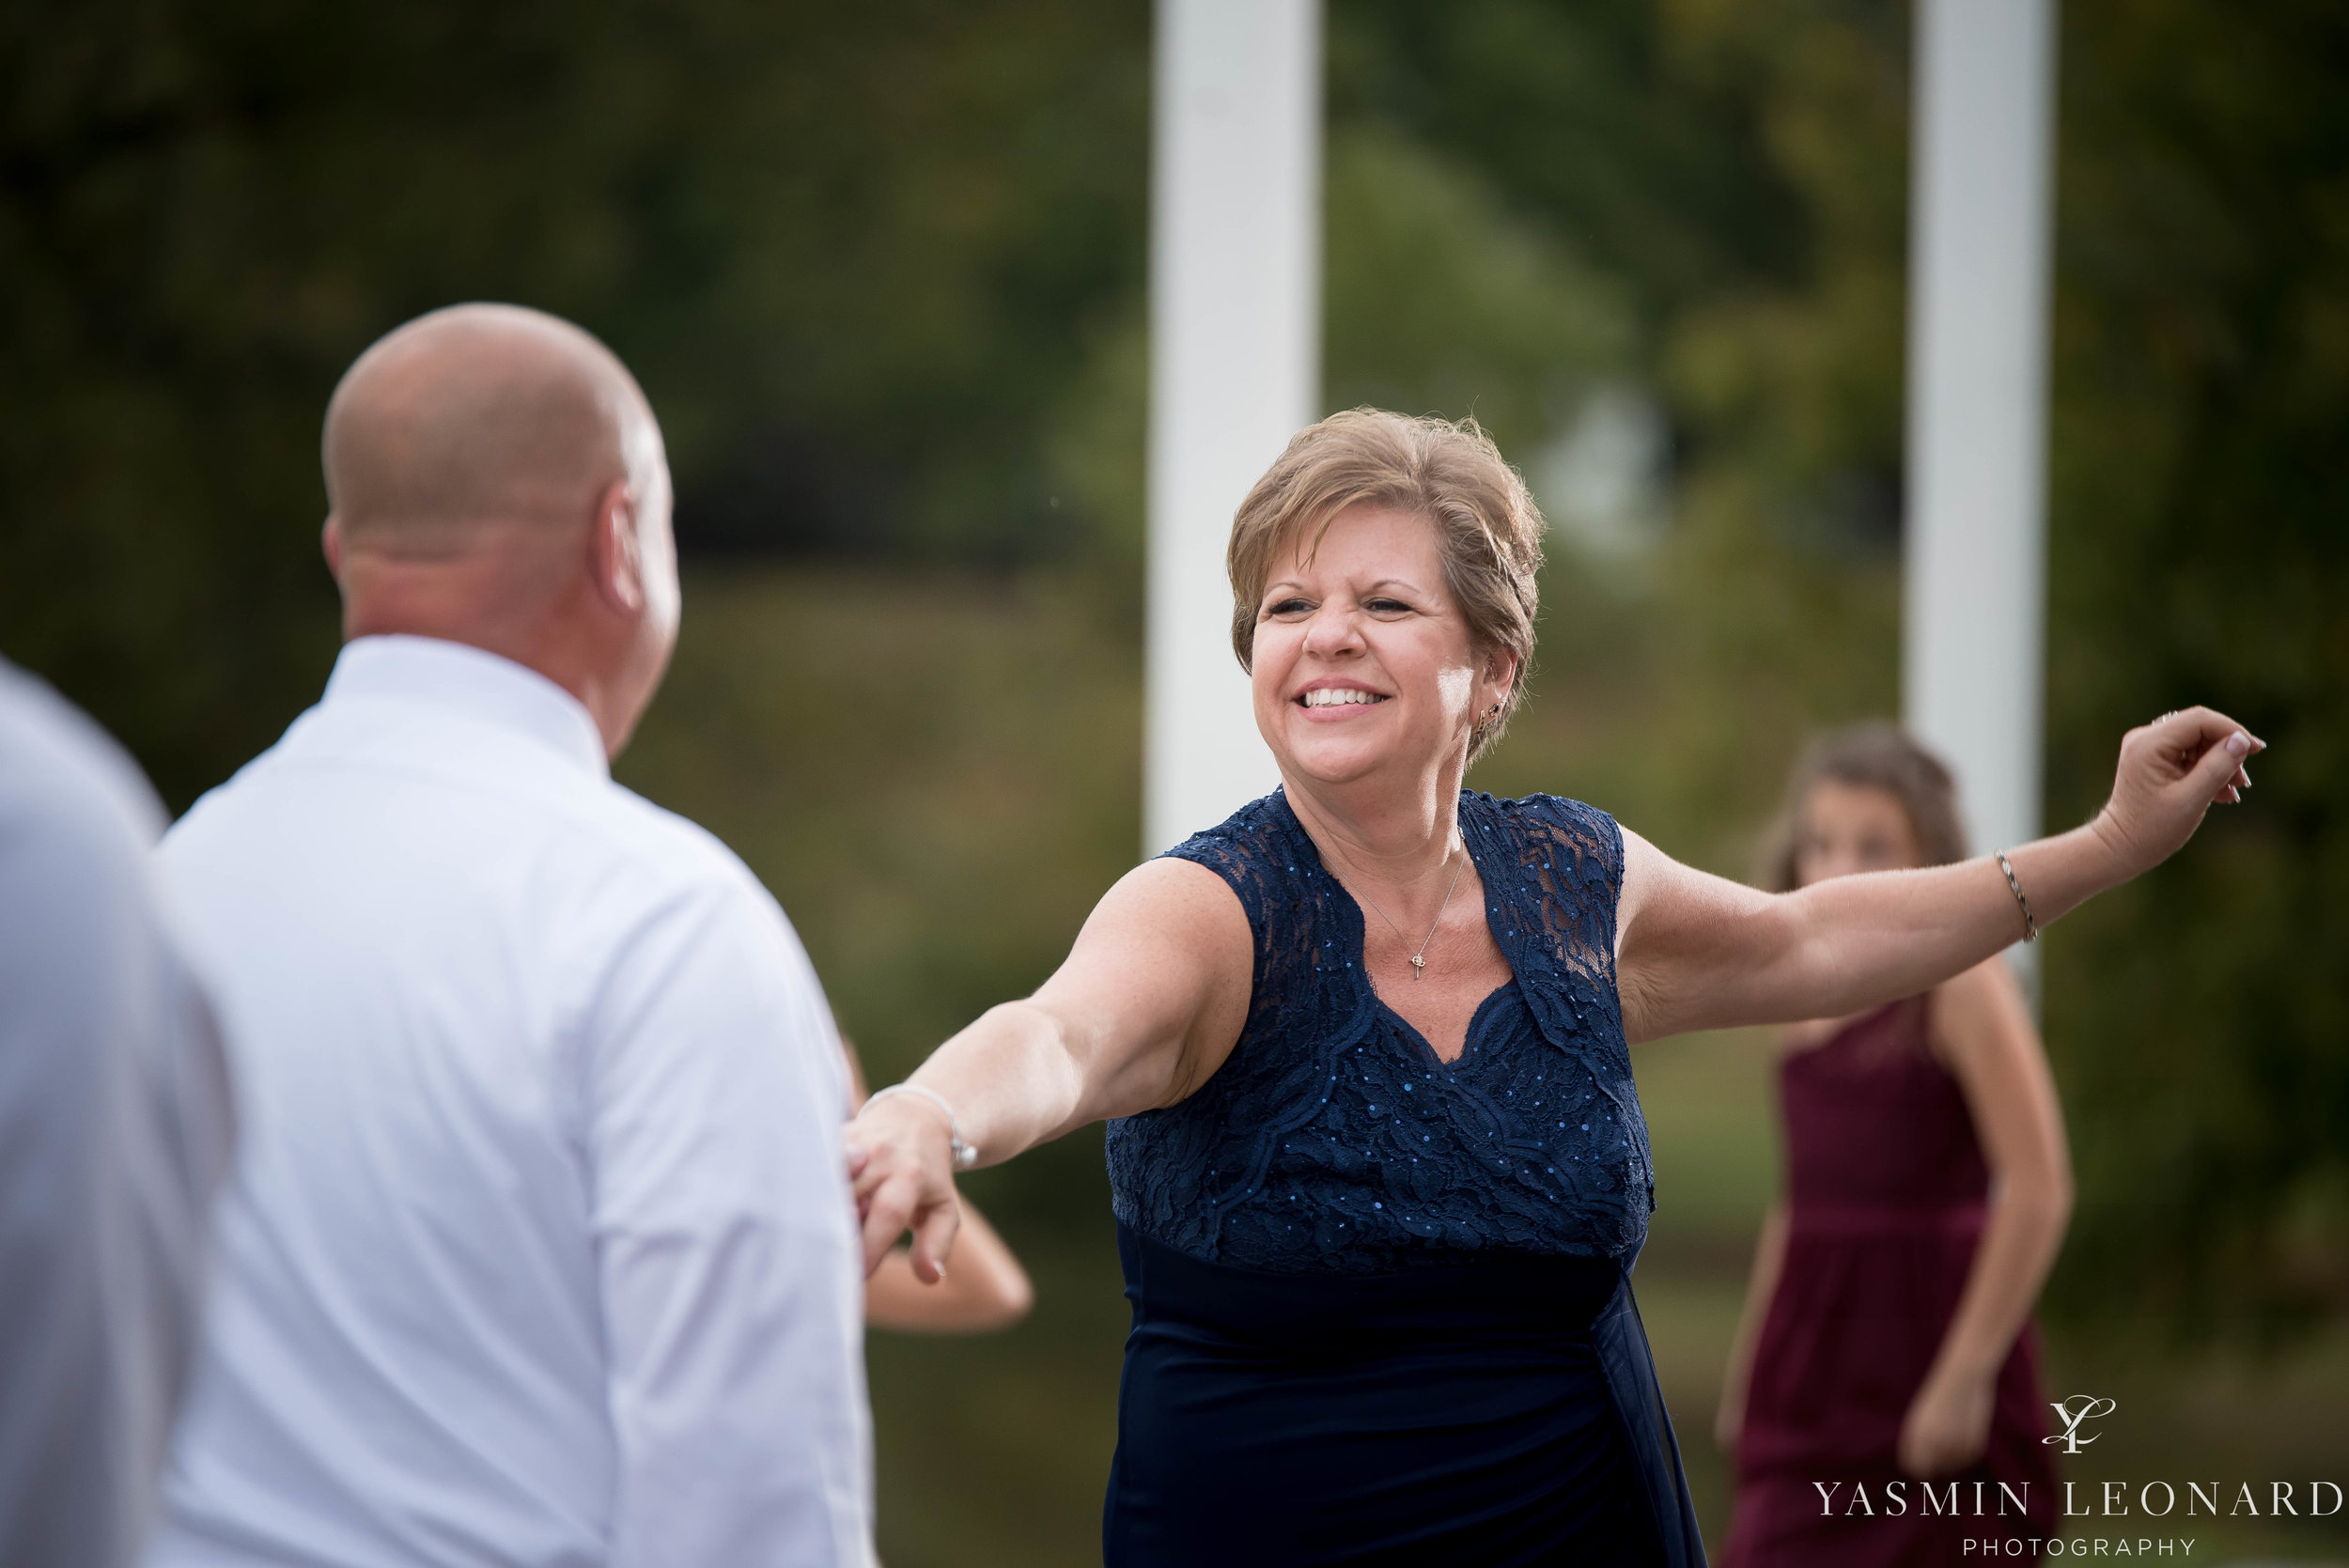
<point x="726" y="1247"/>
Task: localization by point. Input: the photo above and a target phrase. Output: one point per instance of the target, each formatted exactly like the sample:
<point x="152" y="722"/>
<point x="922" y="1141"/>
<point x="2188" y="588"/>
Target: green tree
<point x="849" y="251"/>
<point x="2201" y="552"/>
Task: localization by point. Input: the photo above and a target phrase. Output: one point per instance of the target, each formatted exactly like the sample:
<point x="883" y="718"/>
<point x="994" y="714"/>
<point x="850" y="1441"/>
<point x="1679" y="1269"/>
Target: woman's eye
<point x="1387" y="607"/>
<point x="1287" y="607"/>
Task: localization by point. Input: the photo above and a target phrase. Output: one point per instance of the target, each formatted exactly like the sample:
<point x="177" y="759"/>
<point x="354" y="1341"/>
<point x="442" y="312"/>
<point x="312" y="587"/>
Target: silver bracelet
<point x="965" y="1155"/>
<point x="2031" y="926"/>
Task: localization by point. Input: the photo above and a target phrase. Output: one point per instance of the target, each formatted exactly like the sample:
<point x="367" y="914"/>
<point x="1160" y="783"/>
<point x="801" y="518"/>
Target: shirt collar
<point x="473" y="681"/>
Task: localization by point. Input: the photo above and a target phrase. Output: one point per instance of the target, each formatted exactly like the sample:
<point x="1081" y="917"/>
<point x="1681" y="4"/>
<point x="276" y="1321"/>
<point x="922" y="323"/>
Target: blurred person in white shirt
<point x="115" y="1130"/>
<point x="538" y="1249"/>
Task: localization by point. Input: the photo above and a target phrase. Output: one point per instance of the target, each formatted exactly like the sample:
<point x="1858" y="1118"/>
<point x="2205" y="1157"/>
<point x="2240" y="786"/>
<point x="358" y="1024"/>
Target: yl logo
<point x="2072" y="1411"/>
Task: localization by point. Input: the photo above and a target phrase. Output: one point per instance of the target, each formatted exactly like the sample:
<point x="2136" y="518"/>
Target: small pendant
<point x="1419" y="966"/>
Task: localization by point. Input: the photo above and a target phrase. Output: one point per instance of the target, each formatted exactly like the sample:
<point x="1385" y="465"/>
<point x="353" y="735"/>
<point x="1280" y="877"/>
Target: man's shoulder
<point x="670" y="849"/>
<point x="604" y="832"/>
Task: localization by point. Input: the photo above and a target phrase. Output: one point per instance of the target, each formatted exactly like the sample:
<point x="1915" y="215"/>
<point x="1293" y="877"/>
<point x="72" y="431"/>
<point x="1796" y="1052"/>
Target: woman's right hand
<point x="902" y="1164"/>
<point x="1147" y="1005"/>
<point x="1947" y="1426"/>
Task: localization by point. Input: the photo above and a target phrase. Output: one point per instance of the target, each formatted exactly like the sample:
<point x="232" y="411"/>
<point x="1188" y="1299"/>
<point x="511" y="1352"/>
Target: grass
<point x="939" y="775"/>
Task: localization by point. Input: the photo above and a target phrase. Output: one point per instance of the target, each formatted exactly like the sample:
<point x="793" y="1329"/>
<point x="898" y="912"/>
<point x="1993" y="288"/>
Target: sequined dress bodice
<point x="1335" y="1140"/>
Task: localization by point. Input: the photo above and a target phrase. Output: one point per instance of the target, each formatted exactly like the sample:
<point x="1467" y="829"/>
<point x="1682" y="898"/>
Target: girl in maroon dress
<point x="1885" y="1339"/>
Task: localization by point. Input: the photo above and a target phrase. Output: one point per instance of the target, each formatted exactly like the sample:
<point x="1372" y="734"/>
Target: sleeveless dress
<point x="1382" y="1309"/>
<point x="1886" y="1188"/>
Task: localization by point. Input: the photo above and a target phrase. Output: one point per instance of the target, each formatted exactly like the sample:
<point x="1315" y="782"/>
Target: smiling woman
<point x="1379" y="1186"/>
<point x="1460" y="512"/>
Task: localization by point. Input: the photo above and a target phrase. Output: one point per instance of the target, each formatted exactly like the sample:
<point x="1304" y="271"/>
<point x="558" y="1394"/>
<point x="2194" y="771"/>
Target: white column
<point x="1975" y="600"/>
<point x="1235" y="366"/>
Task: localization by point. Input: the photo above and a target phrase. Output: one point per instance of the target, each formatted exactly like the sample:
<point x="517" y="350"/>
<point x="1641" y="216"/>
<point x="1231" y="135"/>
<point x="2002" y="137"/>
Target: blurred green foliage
<point x="853" y="253"/>
<point x="2200" y="553"/>
<point x="881" y="271"/>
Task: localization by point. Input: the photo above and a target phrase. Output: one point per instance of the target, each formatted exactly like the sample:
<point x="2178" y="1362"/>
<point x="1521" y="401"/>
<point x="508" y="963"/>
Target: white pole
<point x="1975" y="599"/>
<point x="1235" y="366"/>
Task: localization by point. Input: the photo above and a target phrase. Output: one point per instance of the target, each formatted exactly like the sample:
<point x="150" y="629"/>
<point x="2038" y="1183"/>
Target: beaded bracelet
<point x="2031" y="926"/>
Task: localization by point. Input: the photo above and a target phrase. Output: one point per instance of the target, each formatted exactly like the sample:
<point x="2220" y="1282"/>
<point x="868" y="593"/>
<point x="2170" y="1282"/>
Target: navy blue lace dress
<point x="1382" y="1302"/>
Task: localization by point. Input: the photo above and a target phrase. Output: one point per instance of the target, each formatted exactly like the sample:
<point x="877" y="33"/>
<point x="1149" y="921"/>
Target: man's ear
<point x="615" y="557"/>
<point x="331" y="544"/>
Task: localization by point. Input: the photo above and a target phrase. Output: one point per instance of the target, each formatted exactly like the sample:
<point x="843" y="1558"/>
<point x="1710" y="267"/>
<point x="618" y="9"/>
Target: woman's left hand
<point x="1948" y="1426"/>
<point x="2171" y="772"/>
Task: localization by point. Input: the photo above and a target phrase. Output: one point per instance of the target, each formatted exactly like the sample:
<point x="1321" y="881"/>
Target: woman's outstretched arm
<point x="1148" y="1003"/>
<point x="1699" y="951"/>
<point x="1982" y="1030"/>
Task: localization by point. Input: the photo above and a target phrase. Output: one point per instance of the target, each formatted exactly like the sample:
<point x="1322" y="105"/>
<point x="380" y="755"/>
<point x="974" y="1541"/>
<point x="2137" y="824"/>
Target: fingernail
<point x="2238" y="743"/>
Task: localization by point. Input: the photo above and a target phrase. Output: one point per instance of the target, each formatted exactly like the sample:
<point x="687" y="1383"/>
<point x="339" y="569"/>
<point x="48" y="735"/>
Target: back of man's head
<point x="473" y="416"/>
<point x="496" y="476"/>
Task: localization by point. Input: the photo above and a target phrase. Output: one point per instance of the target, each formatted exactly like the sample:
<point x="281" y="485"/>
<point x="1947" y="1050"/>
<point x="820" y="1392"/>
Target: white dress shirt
<point x="540" y="1247"/>
<point x="113" y="1133"/>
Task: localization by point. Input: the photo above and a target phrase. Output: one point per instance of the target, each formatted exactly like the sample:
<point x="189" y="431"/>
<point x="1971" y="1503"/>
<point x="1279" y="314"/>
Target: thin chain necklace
<point x="1418" y="959"/>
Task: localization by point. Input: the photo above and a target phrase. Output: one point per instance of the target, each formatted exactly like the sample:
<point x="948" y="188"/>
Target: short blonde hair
<point x="1488" y="528"/>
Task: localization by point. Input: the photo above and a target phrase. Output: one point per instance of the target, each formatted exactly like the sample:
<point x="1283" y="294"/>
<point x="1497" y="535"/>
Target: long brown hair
<point x="1874" y="755"/>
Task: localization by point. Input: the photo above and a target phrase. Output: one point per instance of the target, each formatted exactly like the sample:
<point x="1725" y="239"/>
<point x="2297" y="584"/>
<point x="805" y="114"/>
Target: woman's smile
<point x="1335" y="700"/>
<point x="1363" y="664"/>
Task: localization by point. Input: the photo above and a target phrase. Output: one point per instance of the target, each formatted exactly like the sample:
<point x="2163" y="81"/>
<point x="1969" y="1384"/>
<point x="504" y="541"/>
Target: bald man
<point x="538" y="1249"/>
